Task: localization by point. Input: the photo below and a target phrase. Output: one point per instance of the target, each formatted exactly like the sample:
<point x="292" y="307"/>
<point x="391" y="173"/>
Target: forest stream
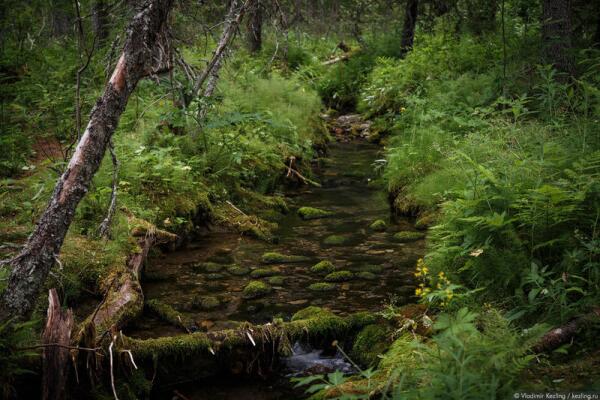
<point x="205" y="281"/>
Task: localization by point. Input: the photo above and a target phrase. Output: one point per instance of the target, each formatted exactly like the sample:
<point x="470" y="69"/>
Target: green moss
<point x="308" y="213"/>
<point x="366" y="275"/>
<point x="378" y="225"/>
<point x="262" y="272"/>
<point x="276" y="280"/>
<point x="311" y="312"/>
<point x="323" y="267"/>
<point x="339" y="276"/>
<point x="256" y="289"/>
<point x="425" y="220"/>
<point x="408" y="236"/>
<point x="238" y="270"/>
<point x="400" y="356"/>
<point x="321" y="287"/>
<point x="335" y="240"/>
<point x="207" y="267"/>
<point x="164" y="312"/>
<point x="370" y="342"/>
<point x="206" y="302"/>
<point x="278" y="258"/>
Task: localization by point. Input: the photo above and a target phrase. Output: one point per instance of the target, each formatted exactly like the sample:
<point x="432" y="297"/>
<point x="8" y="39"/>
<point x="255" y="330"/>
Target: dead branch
<point x="105" y="225"/>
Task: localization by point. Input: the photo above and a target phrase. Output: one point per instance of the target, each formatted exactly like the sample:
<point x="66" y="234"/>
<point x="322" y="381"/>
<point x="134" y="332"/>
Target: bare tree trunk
<point x="410" y="22"/>
<point x="231" y="25"/>
<point x="100" y="20"/>
<point x="56" y="339"/>
<point x="30" y="268"/>
<point x="254" y="27"/>
<point x="556" y="35"/>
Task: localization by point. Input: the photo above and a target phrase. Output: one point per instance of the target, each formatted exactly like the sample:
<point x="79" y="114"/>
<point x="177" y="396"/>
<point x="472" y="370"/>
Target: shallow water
<point x="347" y="191"/>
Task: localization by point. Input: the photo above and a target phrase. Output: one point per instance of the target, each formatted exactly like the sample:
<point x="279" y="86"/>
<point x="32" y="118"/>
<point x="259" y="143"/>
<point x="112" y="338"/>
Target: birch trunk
<point x="30" y="268"/>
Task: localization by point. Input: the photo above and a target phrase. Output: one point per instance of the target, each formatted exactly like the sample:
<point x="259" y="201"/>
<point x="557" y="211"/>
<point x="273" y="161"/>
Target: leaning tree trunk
<point x="410" y="22"/>
<point x="254" y="27"/>
<point x="556" y="35"/>
<point x="30" y="268"/>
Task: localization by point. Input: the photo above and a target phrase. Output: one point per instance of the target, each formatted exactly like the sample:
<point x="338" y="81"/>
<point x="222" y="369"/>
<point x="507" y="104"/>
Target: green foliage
<point x="14" y="336"/>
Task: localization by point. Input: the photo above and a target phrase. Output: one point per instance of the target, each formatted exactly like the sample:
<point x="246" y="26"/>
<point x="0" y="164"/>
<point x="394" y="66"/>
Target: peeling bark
<point x="30" y="268"/>
<point x="56" y="338"/>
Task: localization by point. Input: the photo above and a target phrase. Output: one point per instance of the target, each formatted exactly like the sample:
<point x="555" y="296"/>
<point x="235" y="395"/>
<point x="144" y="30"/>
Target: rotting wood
<point x="564" y="334"/>
<point x="55" y="341"/>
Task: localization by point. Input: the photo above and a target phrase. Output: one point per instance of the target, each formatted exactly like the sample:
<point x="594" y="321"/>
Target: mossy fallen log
<point x="248" y="348"/>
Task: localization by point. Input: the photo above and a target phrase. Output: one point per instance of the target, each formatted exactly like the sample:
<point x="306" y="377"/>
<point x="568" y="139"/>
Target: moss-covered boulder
<point x="425" y="220"/>
<point x="262" y="272"/>
<point x="212" y="267"/>
<point x="238" y="270"/>
<point x="365" y="275"/>
<point x="206" y="302"/>
<point x="378" y="225"/>
<point x="308" y="213"/>
<point x="335" y="240"/>
<point x="339" y="276"/>
<point x="375" y="269"/>
<point x="370" y="342"/>
<point x="278" y="258"/>
<point x="311" y="312"/>
<point x="322" y="287"/>
<point x="408" y="236"/>
<point x="256" y="289"/>
<point x="276" y="280"/>
<point x="323" y="267"/>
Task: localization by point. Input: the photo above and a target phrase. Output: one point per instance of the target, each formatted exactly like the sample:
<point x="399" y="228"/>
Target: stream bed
<point x="200" y="283"/>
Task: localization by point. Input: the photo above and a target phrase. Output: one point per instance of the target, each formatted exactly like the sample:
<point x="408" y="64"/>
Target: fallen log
<point x="248" y="348"/>
<point x="56" y="340"/>
<point x="337" y="59"/>
<point x="564" y="334"/>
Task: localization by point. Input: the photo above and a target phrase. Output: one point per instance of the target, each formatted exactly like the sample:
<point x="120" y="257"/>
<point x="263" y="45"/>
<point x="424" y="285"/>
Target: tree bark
<point x="56" y="338"/>
<point x="564" y="334"/>
<point x="556" y="35"/>
<point x="410" y="22"/>
<point x="254" y="27"/>
<point x="30" y="268"/>
<point x="100" y="20"/>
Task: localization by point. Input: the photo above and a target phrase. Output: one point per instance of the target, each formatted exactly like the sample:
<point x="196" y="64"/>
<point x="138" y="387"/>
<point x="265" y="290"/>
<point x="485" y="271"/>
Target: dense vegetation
<point x="490" y="146"/>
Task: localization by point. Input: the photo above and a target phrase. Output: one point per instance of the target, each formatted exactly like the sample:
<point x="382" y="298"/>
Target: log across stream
<point x="204" y="283"/>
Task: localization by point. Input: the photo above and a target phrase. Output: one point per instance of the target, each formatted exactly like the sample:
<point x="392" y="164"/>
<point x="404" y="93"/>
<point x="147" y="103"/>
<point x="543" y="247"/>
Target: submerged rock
<point x="277" y="280"/>
<point x="378" y="225"/>
<point x="214" y="277"/>
<point x="335" y="240"/>
<point x="339" y="276"/>
<point x="256" y="289"/>
<point x="238" y="270"/>
<point x="323" y="267"/>
<point x="322" y="287"/>
<point x="262" y="272"/>
<point x="206" y="302"/>
<point x="366" y="275"/>
<point x="408" y="236"/>
<point x="278" y="258"/>
<point x="308" y="213"/>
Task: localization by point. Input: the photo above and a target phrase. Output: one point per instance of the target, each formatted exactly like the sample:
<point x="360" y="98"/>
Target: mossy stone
<point x="276" y="280"/>
<point x="335" y="240"/>
<point x="206" y="302"/>
<point x="256" y="289"/>
<point x="278" y="258"/>
<point x="370" y="342"/>
<point x="238" y="270"/>
<point x="408" y="236"/>
<point x="323" y="267"/>
<point x="375" y="269"/>
<point x="214" y="277"/>
<point x="322" y="287"/>
<point x="378" y="225"/>
<point x="212" y="267"/>
<point x="339" y="276"/>
<point x="262" y="272"/>
<point x="308" y="213"/>
<point x="311" y="312"/>
<point x="366" y="275"/>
